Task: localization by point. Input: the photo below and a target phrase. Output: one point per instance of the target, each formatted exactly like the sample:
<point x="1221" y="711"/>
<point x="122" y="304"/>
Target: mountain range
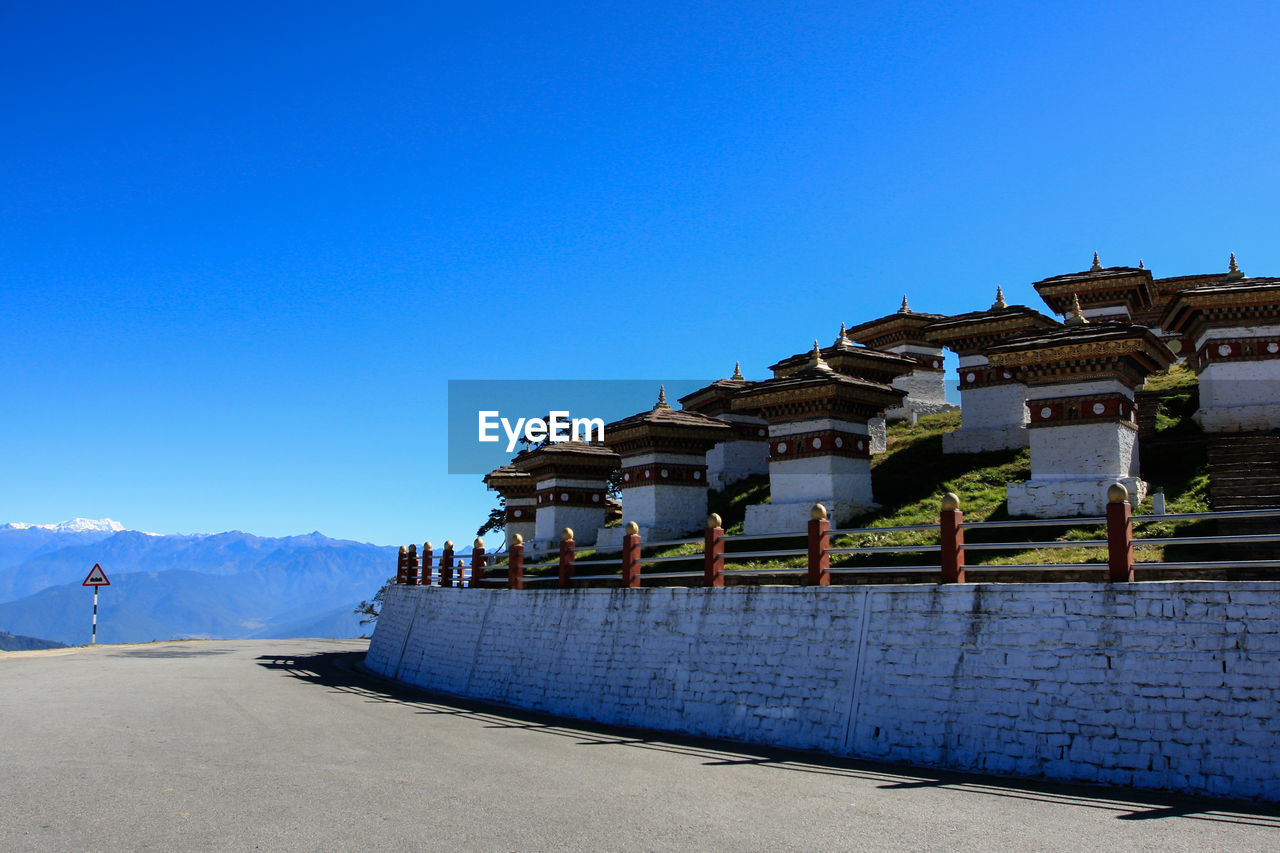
<point x="225" y="585"/>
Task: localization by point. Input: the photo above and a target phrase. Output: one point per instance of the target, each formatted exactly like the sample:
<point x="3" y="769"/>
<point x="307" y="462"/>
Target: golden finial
<point x="816" y="359"/>
<point x="566" y="535"/>
<point x="737" y="370"/>
<point x="1233" y="269"/>
<point x="426" y="546"/>
<point x="713" y="521"/>
<point x="1097" y="264"/>
<point x="904" y="309"/>
<point x="844" y="336"/>
<point x="1077" y="316"/>
<point x="448" y="544"/>
<point x="403" y="550"/>
<point x="818" y="512"/>
<point x="632" y="528"/>
<point x="662" y="398"/>
<point x="517" y="539"/>
<point x="479" y="543"/>
<point x="999" y="303"/>
<point x="1117" y="493"/>
<point x="950" y="502"/>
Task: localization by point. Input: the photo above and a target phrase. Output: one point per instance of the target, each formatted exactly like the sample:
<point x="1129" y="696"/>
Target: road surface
<point x="282" y="745"/>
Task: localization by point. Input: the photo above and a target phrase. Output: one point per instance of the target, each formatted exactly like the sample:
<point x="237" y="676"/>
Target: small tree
<point x="369" y="610"/>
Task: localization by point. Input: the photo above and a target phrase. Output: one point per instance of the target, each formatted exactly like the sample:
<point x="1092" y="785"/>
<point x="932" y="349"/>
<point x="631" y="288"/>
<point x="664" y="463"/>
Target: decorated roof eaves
<point x="814" y="382"/>
<point x="899" y="321"/>
<point x="566" y="453"/>
<point x="887" y="362"/>
<point x="671" y="420"/>
<point x="508" y="472"/>
<point x="1179" y="283"/>
<point x="720" y="390"/>
<point x="1088" y="341"/>
<point x="1057" y="290"/>
<point x="1012" y="318"/>
<point x="1260" y="295"/>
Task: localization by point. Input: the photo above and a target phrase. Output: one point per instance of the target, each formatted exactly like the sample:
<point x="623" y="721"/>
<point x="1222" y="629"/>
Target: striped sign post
<point x="97" y="577"/>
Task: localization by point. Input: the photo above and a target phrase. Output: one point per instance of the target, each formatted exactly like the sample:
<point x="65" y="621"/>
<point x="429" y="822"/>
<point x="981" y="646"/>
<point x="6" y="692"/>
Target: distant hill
<point x="225" y="585"/>
<point x="17" y="643"/>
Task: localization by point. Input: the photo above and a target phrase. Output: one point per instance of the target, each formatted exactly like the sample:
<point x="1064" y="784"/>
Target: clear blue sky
<point x="245" y="245"/>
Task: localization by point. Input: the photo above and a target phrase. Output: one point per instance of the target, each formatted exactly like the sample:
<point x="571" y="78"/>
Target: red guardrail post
<point x="446" y="564"/>
<point x="631" y="556"/>
<point x="411" y="567"/>
<point x="1119" y="534"/>
<point x="950" y="526"/>
<point x="713" y="553"/>
<point x="402" y="562"/>
<point x="426" y="564"/>
<point x="566" y="557"/>
<point x="515" y="562"/>
<point x="819" y="540"/>
<point x="478" y="562"/>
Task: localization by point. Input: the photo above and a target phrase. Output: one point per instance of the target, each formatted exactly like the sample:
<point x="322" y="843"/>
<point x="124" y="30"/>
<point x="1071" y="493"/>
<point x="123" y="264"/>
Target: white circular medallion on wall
<point x="564" y="496"/>
<point x="839" y="441"/>
<point x="817" y="443"/>
<point x="1273" y="347"/>
<point x="1098" y="408"/>
<point x="697" y="475"/>
<point x="1224" y="349"/>
<point x="626" y="478"/>
<point x="663" y="472"/>
<point x="595" y="499"/>
<point x="969" y="377"/>
<point x="516" y="513"/>
<point x="1046" y="413"/>
<point x="782" y="447"/>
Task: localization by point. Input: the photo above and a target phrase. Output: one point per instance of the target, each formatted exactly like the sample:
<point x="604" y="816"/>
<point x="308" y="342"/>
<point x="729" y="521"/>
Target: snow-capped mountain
<point x="75" y="525"/>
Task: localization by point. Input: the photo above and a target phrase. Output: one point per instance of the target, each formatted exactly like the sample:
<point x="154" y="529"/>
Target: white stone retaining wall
<point x="1159" y="685"/>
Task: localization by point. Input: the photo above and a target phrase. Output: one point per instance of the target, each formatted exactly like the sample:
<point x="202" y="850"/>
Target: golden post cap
<point x="479" y="543"/>
<point x="950" y="502"/>
<point x="632" y="528"/>
<point x="517" y="539"/>
<point x="1117" y="493"/>
<point x="566" y="535"/>
<point x="818" y="513"/>
<point x="713" y="520"/>
<point x="448" y="543"/>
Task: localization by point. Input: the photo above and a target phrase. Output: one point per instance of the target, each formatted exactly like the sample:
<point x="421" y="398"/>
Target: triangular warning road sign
<point x="97" y="577"/>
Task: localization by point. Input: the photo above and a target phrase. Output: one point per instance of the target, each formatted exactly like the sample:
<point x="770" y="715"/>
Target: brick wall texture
<point x="1157" y="685"/>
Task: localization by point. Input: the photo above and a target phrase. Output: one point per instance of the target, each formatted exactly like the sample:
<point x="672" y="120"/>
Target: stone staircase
<point x="1244" y="473"/>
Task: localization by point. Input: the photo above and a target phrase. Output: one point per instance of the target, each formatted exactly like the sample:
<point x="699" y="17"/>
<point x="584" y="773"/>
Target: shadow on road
<point x="341" y="672"/>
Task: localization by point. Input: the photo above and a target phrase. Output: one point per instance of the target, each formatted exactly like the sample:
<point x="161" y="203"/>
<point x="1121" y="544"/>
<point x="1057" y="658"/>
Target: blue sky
<point x="245" y="246"/>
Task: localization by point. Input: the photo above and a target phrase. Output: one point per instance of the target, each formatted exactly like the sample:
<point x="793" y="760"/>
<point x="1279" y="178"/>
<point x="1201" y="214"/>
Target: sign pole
<point x="96" y="578"/>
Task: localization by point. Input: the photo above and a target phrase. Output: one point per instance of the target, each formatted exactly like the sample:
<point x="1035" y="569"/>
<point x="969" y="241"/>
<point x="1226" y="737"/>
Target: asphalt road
<point x="282" y="745"/>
